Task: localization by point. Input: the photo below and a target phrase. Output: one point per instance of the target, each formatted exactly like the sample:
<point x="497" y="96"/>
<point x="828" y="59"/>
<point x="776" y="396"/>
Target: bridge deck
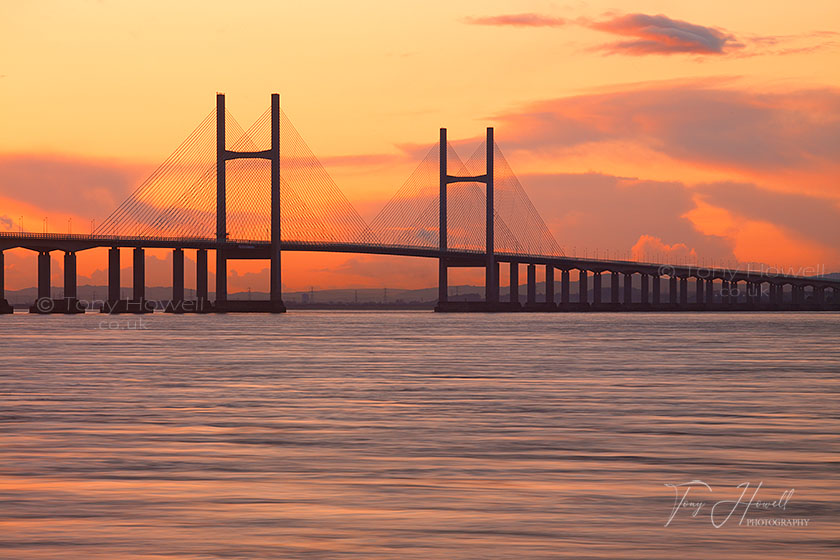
<point x="259" y="249"/>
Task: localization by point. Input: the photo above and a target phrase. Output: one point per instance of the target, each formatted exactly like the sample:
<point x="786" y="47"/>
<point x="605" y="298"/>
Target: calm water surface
<point x="419" y="436"/>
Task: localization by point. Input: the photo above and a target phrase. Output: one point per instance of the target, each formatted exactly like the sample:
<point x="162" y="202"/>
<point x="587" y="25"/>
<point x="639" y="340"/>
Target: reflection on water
<point x="415" y="435"/>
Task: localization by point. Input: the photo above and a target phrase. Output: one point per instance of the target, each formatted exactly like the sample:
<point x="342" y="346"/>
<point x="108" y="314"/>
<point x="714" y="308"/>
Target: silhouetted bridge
<point x="480" y="217"/>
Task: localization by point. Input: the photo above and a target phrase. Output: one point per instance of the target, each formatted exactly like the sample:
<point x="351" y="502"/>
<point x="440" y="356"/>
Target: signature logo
<point x="695" y="499"/>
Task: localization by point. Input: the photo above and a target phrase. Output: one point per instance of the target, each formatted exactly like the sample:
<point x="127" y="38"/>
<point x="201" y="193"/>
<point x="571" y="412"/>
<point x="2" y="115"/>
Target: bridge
<point x="249" y="201"/>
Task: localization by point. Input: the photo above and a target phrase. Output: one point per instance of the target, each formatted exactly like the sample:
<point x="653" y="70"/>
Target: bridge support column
<point x="43" y="303"/>
<point x="657" y="289"/>
<point x="221" y="277"/>
<point x="70" y="303"/>
<point x="614" y="281"/>
<point x="491" y="278"/>
<point x="276" y="295"/>
<point x="44" y="274"/>
<point x="724" y="292"/>
<point x="698" y="290"/>
<point x="177" y="280"/>
<point x="549" y="284"/>
<point x="443" y="281"/>
<point x="583" y="286"/>
<point x="201" y="278"/>
<point x="596" y="287"/>
<point x="645" y="290"/>
<point x="772" y="296"/>
<point x="113" y="275"/>
<point x="565" y="283"/>
<point x="70" y="291"/>
<point x="514" y="282"/>
<point x="819" y="295"/>
<point x="628" y="289"/>
<point x="684" y="290"/>
<point x="710" y="291"/>
<point x="672" y="290"/>
<point x="4" y="305"/>
<point x="532" y="284"/>
<point x="221" y="203"/>
<point x="139" y="285"/>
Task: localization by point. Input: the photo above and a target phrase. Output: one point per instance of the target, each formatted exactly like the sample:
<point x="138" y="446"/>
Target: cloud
<point x="6" y="223"/>
<point x="815" y="218"/>
<point x="662" y="35"/>
<point x="698" y="122"/>
<point x="362" y="160"/>
<point x="648" y="245"/>
<point x="65" y="184"/>
<point x="647" y="34"/>
<point x="669" y="221"/>
<point x="517" y="20"/>
<point x="603" y="212"/>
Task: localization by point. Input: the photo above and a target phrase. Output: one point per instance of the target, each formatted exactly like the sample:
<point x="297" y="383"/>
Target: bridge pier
<point x="201" y="293"/>
<point x="583" y="293"/>
<point x="44" y="303"/>
<point x="176" y="303"/>
<point x="549" y="284"/>
<point x="614" y="281"/>
<point x="657" y="289"/>
<point x="645" y="290"/>
<point x="138" y="303"/>
<point x="70" y="303"/>
<point x="4" y="305"/>
<point x="532" y="284"/>
<point x="443" y="281"/>
<point x="672" y="290"/>
<point x="710" y="291"/>
<point x="514" y="282"/>
<point x="596" y="287"/>
<point x="698" y="291"/>
<point x="139" y="285"/>
<point x="44" y="288"/>
<point x="565" y="287"/>
<point x="684" y="290"/>
<point x="628" y="289"/>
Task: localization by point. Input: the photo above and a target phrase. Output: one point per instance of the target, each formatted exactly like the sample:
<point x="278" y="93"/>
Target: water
<point x="417" y="436"/>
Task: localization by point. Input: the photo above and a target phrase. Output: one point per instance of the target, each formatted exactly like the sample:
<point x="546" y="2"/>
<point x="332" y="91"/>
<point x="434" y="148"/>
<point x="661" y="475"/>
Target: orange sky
<point x="664" y="130"/>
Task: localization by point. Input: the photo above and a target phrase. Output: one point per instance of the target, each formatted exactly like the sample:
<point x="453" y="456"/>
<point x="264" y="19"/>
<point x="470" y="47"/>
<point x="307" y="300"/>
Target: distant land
<point x="349" y="298"/>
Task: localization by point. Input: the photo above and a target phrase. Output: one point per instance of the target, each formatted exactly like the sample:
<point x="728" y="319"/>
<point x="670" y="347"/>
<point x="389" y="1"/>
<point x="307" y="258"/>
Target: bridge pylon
<point x="275" y="303"/>
<point x="491" y="268"/>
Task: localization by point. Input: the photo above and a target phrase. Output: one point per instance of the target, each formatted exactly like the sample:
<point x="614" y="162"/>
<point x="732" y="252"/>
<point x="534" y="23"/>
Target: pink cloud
<point x="518" y="20"/>
<point x="54" y="183"/>
<point x="662" y="35"/>
<point x="699" y="122"/>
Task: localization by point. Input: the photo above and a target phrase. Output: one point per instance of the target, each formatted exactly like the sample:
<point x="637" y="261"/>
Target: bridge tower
<point x="222" y="156"/>
<point x="491" y="270"/>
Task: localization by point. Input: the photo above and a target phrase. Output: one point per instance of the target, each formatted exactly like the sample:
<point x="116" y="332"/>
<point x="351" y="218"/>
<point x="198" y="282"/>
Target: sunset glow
<point x="673" y="130"/>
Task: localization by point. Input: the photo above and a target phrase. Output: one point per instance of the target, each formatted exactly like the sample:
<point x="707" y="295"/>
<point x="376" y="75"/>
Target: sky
<point x="664" y="130"/>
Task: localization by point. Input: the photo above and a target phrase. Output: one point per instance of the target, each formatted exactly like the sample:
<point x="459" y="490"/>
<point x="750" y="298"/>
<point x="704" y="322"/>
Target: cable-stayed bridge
<point x="233" y="193"/>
